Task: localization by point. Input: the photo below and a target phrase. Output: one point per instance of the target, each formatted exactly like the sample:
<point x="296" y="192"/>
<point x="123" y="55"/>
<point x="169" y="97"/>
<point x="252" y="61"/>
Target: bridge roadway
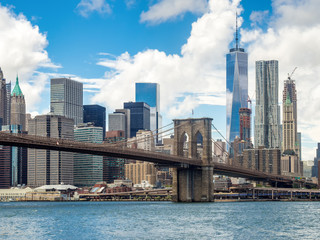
<point x="110" y="150"/>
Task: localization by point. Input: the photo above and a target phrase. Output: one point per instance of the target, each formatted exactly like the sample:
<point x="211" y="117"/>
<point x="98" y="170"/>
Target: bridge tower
<point x="192" y="139"/>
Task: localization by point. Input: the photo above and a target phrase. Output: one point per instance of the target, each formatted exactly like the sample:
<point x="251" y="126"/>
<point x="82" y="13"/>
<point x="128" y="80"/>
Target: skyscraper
<point x="87" y="168"/>
<point x="139" y="116"/>
<point x="267" y="111"/>
<point x="48" y="166"/>
<point x="67" y="99"/>
<point x="289" y="127"/>
<point x="95" y="114"/>
<point x="18" y="107"/>
<point x="150" y="94"/>
<point x="237" y="88"/>
<point x="5" y="91"/>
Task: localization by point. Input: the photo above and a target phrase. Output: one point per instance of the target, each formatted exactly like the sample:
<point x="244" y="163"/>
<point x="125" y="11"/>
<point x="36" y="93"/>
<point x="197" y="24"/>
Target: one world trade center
<point x="237" y="88"/>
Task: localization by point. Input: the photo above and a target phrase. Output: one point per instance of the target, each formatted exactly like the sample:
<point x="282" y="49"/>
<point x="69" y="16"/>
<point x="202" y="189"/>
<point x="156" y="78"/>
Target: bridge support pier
<point x="192" y="184"/>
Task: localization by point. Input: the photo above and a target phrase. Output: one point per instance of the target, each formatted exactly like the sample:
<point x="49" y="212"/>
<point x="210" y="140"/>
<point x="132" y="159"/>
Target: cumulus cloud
<point x="292" y="37"/>
<point x="170" y="9"/>
<point x="23" y="57"/>
<point x="86" y="7"/>
<point x="199" y="69"/>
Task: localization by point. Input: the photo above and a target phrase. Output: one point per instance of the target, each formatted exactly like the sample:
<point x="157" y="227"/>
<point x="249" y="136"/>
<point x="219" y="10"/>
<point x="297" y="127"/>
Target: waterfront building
<point x="139" y="116"/>
<point x="113" y="168"/>
<point x="262" y="159"/>
<point x="66" y="99"/>
<point x="150" y="94"/>
<point x="141" y="171"/>
<point x="95" y="114"/>
<point x="5" y="167"/>
<point x="88" y="169"/>
<point x="267" y="111"/>
<point x="237" y="88"/>
<point x="18" y="155"/>
<point x="18" y="107"/>
<point x="47" y="167"/>
<point x="315" y="162"/>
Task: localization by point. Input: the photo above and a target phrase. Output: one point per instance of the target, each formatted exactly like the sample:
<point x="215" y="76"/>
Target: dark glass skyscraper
<point x="95" y="114"/>
<point x="237" y="88"/>
<point x="139" y="116"/>
<point x="150" y="94"/>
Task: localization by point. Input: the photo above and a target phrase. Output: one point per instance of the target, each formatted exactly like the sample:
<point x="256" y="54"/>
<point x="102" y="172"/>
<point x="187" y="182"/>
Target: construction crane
<point x="290" y="75"/>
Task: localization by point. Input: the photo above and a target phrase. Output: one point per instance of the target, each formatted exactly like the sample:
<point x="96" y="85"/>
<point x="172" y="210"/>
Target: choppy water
<point x="159" y="220"/>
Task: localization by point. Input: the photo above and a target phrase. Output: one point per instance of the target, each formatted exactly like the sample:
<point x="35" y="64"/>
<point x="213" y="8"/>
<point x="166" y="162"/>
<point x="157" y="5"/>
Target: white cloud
<point x="23" y="57"/>
<point x="200" y="69"/>
<point x="259" y="17"/>
<point x="86" y="7"/>
<point x="170" y="9"/>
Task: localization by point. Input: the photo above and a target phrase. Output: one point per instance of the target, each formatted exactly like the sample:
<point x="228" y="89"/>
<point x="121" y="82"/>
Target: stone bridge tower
<point x="192" y="139"/>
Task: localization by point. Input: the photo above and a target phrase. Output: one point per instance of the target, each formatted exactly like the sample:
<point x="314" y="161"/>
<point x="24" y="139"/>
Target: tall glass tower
<point x="150" y="94"/>
<point x="237" y="88"/>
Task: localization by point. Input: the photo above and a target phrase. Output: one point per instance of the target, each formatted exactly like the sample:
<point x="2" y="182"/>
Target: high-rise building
<point x="139" y="171"/>
<point x="315" y="164"/>
<point x="299" y="145"/>
<point x="87" y="168"/>
<point x="18" y="107"/>
<point x="5" y="91"/>
<point x="66" y="99"/>
<point x="245" y="126"/>
<point x="95" y="114"/>
<point x="139" y="116"/>
<point x="150" y="94"/>
<point x="117" y="122"/>
<point x="5" y="166"/>
<point x="267" y="111"/>
<point x="237" y="88"/>
<point x="48" y="167"/>
<point x="289" y="124"/>
<point x="18" y="163"/>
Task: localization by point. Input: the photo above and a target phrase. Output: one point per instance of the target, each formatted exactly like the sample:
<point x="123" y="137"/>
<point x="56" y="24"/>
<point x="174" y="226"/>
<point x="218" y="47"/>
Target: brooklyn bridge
<point x="192" y="175"/>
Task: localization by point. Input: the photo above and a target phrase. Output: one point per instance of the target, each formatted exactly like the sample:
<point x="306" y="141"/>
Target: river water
<point x="159" y="220"/>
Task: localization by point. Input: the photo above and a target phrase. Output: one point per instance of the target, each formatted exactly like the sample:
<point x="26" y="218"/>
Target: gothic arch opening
<point x="199" y="145"/>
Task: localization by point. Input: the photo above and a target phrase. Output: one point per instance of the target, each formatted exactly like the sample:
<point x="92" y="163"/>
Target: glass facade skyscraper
<point x="95" y="114"/>
<point x="150" y="94"/>
<point x="67" y="99"/>
<point x="267" y="112"/>
<point x="237" y="89"/>
<point x="87" y="168"/>
<point x="139" y="116"/>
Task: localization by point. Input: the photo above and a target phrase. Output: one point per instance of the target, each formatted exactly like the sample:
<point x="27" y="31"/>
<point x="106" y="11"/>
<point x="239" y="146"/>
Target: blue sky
<point x="111" y="44"/>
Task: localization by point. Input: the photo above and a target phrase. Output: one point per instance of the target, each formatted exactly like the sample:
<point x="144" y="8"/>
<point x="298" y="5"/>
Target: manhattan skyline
<point x="111" y="46"/>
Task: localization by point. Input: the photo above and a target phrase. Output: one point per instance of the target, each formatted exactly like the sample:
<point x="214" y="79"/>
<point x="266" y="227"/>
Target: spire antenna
<point x="237" y="39"/>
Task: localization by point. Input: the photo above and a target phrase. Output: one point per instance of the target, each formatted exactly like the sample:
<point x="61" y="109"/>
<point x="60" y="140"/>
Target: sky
<point x="109" y="45"/>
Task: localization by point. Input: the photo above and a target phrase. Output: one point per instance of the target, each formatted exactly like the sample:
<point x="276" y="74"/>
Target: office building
<point x="95" y="114"/>
<point x="139" y="116"/>
<point x="66" y="99"/>
<point x="267" y="111"/>
<point x="245" y="126"/>
<point x="5" y="91"/>
<point x="150" y="94"/>
<point x="5" y="167"/>
<point x="289" y="124"/>
<point x="18" y="107"/>
<point x="116" y="122"/>
<point x="299" y="145"/>
<point x="290" y="165"/>
<point x="237" y="88"/>
<point x="18" y="155"/>
<point x="219" y="151"/>
<point x="48" y="167"/>
<point x="88" y="169"/>
<point x="141" y="171"/>
<point x="315" y="162"/>
<point x="262" y="159"/>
